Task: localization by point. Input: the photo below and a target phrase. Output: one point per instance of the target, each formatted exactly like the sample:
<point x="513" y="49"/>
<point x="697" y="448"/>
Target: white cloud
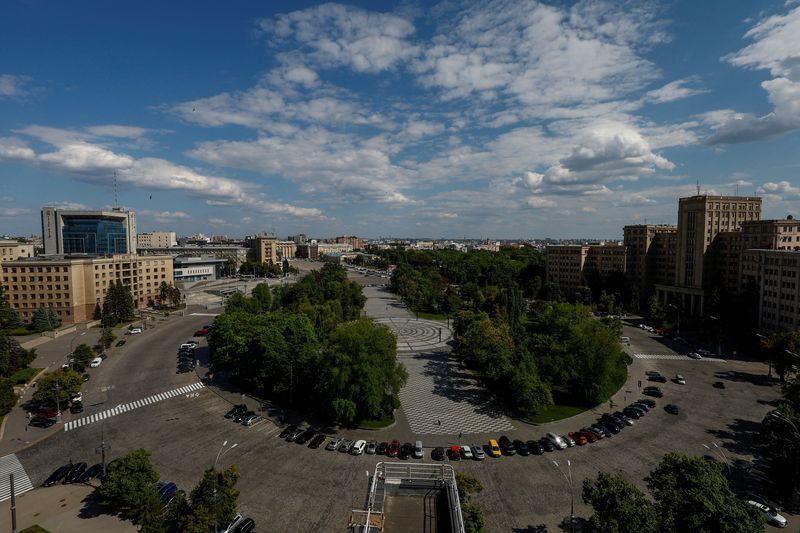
<point x="776" y="46"/>
<point x="13" y="85"/>
<point x="782" y="190"/>
<point x="334" y="35"/>
<point x="165" y="216"/>
<point x="13" y="211"/>
<point x="539" y="202"/>
<point x="674" y="90"/>
<point x="70" y="206"/>
<point x="118" y="130"/>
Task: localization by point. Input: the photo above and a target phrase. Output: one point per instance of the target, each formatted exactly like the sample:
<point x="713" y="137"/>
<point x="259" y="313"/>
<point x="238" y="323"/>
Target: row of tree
<point x="305" y="345"/>
<point x="129" y="489"/>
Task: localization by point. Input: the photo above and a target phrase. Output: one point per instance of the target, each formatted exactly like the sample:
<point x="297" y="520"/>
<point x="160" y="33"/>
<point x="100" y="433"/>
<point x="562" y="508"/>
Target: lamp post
<point x="220" y="454"/>
<point x="568" y="479"/>
<point x="720" y="454"/>
<point x="56" y="390"/>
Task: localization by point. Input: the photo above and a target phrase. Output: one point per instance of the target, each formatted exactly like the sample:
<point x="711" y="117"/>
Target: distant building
<point x="10" y="250"/>
<point x="775" y="275"/>
<point x="315" y="250"/>
<point x="74" y="285"/>
<point x="300" y="238"/>
<point x="651" y="252"/>
<point x="263" y="248"/>
<point x="286" y="250"/>
<point x="569" y="266"/>
<point x="220" y="251"/>
<point x="488" y="246"/>
<point x="356" y="243"/>
<point x="157" y="239"/>
<point x="220" y="238"/>
<point x="88" y="232"/>
<point x="192" y="269"/>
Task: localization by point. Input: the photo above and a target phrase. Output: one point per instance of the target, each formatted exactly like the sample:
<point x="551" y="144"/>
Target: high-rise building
<point x="88" y="232"/>
<point x="569" y="266"/>
<point x="775" y="275"/>
<point x="74" y="285"/>
<point x="650" y="256"/>
<point x="700" y="219"/>
<point x="157" y="239"/>
<point x="264" y="248"/>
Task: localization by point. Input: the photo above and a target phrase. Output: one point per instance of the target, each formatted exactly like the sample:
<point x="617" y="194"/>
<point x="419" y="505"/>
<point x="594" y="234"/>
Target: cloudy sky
<point x="506" y="119"/>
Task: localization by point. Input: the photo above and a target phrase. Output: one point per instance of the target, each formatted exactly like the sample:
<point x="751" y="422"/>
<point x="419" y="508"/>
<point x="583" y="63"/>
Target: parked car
<point x="557" y="441"/>
<point x="591" y="432"/>
<point x="680" y="380"/>
<point x="97" y="361"/>
<point x="591" y="438"/>
<point x="438" y="454"/>
<point x="134" y="331"/>
<point x="718" y="385"/>
<point x="547" y="444"/>
<point x="406" y="451"/>
<point x="772" y="516"/>
<point x="694" y="355"/>
<point x="242" y="408"/>
<point x="90" y="473"/>
<point x="291" y="437"/>
<point x="233" y="525"/>
<point x="59" y="474"/>
<point x="569" y="440"/>
<point x="305" y="436"/>
<point x="466" y="452"/>
<point x="521" y="448"/>
<point x="454" y="453"/>
<point x="653" y="391"/>
<point x="251" y="419"/>
<point x="372" y="447"/>
<point x="316" y="441"/>
<point x="672" y="409"/>
<point x="648" y="402"/>
<point x="76" y="407"/>
<point x="534" y="447"/>
<point x="506" y="446"/>
<point x="121" y="343"/>
<point x="358" y="447"/>
<point x="201" y="332"/>
<point x="85" y="377"/>
<point x="632" y="413"/>
<point x="477" y="452"/>
<point x="41" y="422"/>
<point x="345" y="445"/>
<point x="494" y="448"/>
<point x="578" y="437"/>
<point x="248" y="525"/>
<point x="394" y="448"/>
<point x="383" y="448"/>
<point x="334" y="443"/>
<point x="419" y="453"/>
<point x="625" y="418"/>
<point x="166" y="492"/>
<point x="658" y="378"/>
<point x="74" y="473"/>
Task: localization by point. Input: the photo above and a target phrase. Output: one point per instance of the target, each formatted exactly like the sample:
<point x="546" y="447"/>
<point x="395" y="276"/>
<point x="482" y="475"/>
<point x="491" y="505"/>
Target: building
<point x="700" y="219"/>
<point x="286" y="250"/>
<point x="157" y="239"/>
<point x="193" y="269"/>
<point x="315" y="250"/>
<point x="650" y="258"/>
<point x="356" y="243"/>
<point x="300" y="238"/>
<point x="88" y="232"/>
<point x="219" y="251"/>
<point x="776" y="276"/>
<point x="10" y="250"/>
<point x="771" y="234"/>
<point x="220" y="238"/>
<point x="74" y="285"/>
<point x="263" y="248"/>
<point x="569" y="266"/>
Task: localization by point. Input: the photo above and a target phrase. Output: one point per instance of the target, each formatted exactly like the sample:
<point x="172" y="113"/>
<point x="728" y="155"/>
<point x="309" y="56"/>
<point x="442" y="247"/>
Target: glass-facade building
<point x="94" y="236"/>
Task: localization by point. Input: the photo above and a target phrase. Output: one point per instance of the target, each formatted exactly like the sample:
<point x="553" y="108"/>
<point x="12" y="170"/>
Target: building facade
<point x="218" y="251"/>
<point x="286" y="250"/>
<point x="157" y="239"/>
<point x="192" y="269"/>
<point x="88" y="232"/>
<point x="650" y="256"/>
<point x="776" y="277"/>
<point x="74" y="285"/>
<point x="569" y="266"/>
<point x="11" y="250"/>
<point x="356" y="243"/>
<point x="263" y="248"/>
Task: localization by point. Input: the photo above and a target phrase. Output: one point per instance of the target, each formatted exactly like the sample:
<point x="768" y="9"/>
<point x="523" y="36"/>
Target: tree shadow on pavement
<point x="744" y="377"/>
<point x="541" y="528"/>
<point x="738" y="437"/>
<point x="92" y="508"/>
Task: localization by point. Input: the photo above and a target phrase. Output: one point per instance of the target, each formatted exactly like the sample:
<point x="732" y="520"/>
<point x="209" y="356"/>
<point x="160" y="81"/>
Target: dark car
<point x="593" y="433"/>
<point x="522" y="448"/>
<point x="394" y="448"/>
<point x="75" y="472"/>
<point x="248" y="525"/>
<point x="167" y="491"/>
<point x="121" y="343"/>
<point x="294" y="435"/>
<point x="658" y="378"/>
<point x="648" y="402"/>
<point x="57" y="476"/>
<point x="506" y="446"/>
<point x="672" y="409"/>
<point x="454" y="453"/>
<point x="316" y="441"/>
<point x="547" y="445"/>
<point x="610" y="426"/>
<point x="41" y="422"/>
<point x="383" y="448"/>
<point x="718" y="385"/>
<point x="306" y="436"/>
<point x="285" y="433"/>
<point x="534" y="447"/>
<point x="438" y="454"/>
<point x="239" y="409"/>
<point x="632" y="413"/>
<point x="591" y="438"/>
<point x="653" y="391"/>
<point x="406" y="451"/>
<point x="91" y="473"/>
<point x="601" y="429"/>
<point x="76" y="407"/>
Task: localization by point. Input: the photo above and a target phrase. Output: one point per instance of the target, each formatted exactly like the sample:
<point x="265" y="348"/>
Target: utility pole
<point x="56" y="390"/>
<point x="102" y="448"/>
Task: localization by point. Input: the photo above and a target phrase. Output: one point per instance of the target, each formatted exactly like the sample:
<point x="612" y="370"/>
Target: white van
<point x="358" y="447"/>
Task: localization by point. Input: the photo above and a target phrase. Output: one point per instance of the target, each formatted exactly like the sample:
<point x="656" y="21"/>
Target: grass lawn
<point x="34" y="529"/>
<point x="24" y="375"/>
<point x="554" y="412"/>
<point x="376" y="424"/>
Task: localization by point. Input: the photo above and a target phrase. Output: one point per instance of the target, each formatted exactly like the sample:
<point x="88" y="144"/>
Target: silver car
<point x="345" y="445"/>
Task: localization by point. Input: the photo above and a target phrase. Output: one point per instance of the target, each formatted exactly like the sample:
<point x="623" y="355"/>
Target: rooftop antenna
<point x="737" y="189"/>
<point x="116" y="203"/>
<point x="698" y="187"/>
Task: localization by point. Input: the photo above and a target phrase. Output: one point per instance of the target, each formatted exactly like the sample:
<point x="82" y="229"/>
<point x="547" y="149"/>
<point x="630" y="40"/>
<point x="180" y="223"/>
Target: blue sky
<point x="506" y="119"/>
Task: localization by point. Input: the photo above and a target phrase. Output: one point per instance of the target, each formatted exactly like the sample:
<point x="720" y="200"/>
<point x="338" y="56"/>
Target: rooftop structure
<point x="88" y="232"/>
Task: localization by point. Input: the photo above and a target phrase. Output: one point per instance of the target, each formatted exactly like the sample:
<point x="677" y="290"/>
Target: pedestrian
<point x="460" y="434"/>
<point x="439" y="422"/>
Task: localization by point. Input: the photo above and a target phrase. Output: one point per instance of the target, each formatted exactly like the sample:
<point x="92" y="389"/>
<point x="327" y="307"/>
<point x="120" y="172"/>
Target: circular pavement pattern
<point x="440" y="397"/>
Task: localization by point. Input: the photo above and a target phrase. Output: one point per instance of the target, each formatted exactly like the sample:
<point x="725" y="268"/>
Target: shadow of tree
<point x="744" y="377"/>
<point x="541" y="528"/>
<point x="739" y="437"/>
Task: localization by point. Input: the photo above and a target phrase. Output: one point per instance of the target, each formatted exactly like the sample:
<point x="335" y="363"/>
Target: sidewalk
<point x="61" y="509"/>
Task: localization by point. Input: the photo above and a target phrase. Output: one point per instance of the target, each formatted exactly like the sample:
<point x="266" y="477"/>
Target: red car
<point x="590" y="436"/>
<point x="201" y="332"/>
<point x="394" y="448"/>
<point x="578" y="437"/>
<point x="51" y="413"/>
<point x="454" y="453"/>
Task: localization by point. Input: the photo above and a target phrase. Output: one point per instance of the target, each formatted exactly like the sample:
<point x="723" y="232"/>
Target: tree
<point x="118" y="304"/>
<point x="174" y="295"/>
<point x="261" y="298"/>
<point x="212" y="503"/>
<point x="164" y="292"/>
<point x="8" y="398"/>
<point x="285" y="267"/>
<point x="98" y="312"/>
<point x="82" y="356"/>
<point x="693" y="494"/>
<point x="68" y="382"/>
<point x="9" y="318"/>
<point x="619" y="507"/>
<point x="12" y="356"/>
<point x="108" y="337"/>
<point x="655" y="312"/>
<point x="229" y="267"/>
<point x="45" y="318"/>
<point x="474" y="521"/>
<point x="129" y="487"/>
<point x="782" y="349"/>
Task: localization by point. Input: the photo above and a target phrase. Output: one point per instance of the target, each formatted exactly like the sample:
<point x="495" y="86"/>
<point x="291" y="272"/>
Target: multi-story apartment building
<point x="88" y="232"/>
<point x="157" y="239"/>
<point x="10" y="250"/>
<point x="356" y="243"/>
<point x="776" y="277"/>
<point x="650" y="256"/>
<point x="74" y="285"/>
<point x="569" y="266"/>
<point x="263" y="248"/>
<point x="219" y="251"/>
<point x="700" y="219"/>
<point x="315" y="250"/>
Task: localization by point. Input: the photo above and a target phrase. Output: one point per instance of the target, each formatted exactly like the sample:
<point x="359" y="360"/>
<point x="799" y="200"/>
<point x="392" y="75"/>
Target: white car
<point x="96" y="362"/>
<point x="680" y="380"/>
<point x="695" y="355"/>
<point x="557" y="441"/>
<point x="358" y="447"/>
<point x="77" y="397"/>
<point x="419" y="453"/>
<point x="134" y="331"/>
<point x="466" y="451"/>
<point x="770" y="514"/>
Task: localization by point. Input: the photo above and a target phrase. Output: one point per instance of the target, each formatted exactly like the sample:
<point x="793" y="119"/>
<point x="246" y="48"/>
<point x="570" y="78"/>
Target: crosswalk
<point x="124" y="408"/>
<point x="10" y="464"/>
<point x="674" y="357"/>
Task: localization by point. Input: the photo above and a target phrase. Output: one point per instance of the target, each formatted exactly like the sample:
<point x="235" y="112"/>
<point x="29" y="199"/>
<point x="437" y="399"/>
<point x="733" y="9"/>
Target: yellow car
<point x="494" y="449"/>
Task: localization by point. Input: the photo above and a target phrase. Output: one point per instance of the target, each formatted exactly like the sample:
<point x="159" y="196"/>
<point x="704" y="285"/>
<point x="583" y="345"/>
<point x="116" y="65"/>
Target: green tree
<point x="108" y="337"/>
<point x="128" y="487"/>
<point x="82" y="356"/>
<point x="118" y="304"/>
<point x="12" y="356"/>
<point x="44" y="318"/>
<point x="344" y="410"/>
<point x="9" y="318"/>
<point x="619" y="507"/>
<point x="285" y="267"/>
<point x="474" y="520"/>
<point x="174" y="295"/>
<point x="212" y="503"/>
<point x="655" y="312"/>
<point x="229" y="267"/>
<point x="164" y="292"/>
<point x="693" y="494"/>
<point x="781" y="442"/>
<point x="69" y="382"/>
<point x="261" y="298"/>
<point x="8" y="398"/>
<point x="98" y="312"/>
<point x="782" y="349"/>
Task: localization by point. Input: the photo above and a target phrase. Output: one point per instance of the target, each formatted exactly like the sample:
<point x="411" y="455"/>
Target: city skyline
<point x="503" y="119"/>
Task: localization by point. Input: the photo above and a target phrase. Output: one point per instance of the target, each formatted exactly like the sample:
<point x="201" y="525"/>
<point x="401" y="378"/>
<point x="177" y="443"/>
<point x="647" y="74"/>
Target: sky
<point x="505" y="119"/>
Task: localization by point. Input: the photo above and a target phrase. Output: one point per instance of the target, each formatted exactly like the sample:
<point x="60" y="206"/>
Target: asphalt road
<point x="286" y="486"/>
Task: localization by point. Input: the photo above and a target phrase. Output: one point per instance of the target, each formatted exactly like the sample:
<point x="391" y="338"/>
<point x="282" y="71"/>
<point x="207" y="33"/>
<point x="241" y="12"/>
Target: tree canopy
<point x="118" y="305"/>
<point x="69" y="382"/>
<point x="129" y="488"/>
<point x="212" y="504"/>
<point x="12" y="356"/>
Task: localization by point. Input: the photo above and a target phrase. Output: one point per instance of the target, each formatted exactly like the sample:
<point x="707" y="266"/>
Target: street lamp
<point x="568" y="479"/>
<point x="56" y="390"/>
<point x="220" y="455"/>
<point x="720" y="455"/>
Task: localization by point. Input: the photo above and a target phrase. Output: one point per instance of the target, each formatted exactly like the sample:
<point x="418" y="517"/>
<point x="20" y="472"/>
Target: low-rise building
<point x="356" y="243"/>
<point x="156" y="239"/>
<point x="286" y="250"/>
<point x="74" y="285"/>
<point x="219" y="251"/>
<point x="192" y="269"/>
<point x="11" y="250"/>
